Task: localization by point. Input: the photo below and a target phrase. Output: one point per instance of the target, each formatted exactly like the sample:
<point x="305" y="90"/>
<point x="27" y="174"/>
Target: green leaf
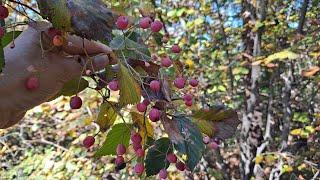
<point x="9" y="36"/>
<point x="2" y="60"/>
<point x="130" y="92"/>
<point x="156" y="156"/>
<point x="137" y="50"/>
<point x="192" y="145"/>
<point x="158" y="38"/>
<point x="107" y="116"/>
<point x="117" y="43"/>
<point x="119" y="134"/>
<point x="70" y="88"/>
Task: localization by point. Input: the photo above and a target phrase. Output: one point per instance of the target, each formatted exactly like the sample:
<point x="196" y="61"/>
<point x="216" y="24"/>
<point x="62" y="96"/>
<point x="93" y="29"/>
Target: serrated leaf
<point x="119" y="134"/>
<point x="130" y="92"/>
<point x="192" y="145"/>
<point x="144" y="124"/>
<point x="156" y="156"/>
<point x="107" y="116"/>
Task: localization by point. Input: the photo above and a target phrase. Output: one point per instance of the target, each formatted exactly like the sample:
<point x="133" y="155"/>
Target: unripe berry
<point x="4" y="12"/>
<point x="193" y="82"/>
<point x="138" y="168"/>
<point x="166" y="62"/>
<point x="172" y="158"/>
<point x="179" y="82"/>
<point x="145" y="22"/>
<point x="141" y="107"/>
<point x="176" y="49"/>
<point x="75" y="102"/>
<point x="140" y="152"/>
<point x="154" y="115"/>
<point x="187" y="97"/>
<point x="88" y="141"/>
<point x="156" y="26"/>
<point x="180" y="166"/>
<point x="188" y="103"/>
<point x="1" y="32"/>
<point x="136" y="138"/>
<point x="32" y="83"/>
<point x="213" y="145"/>
<point x="113" y="85"/>
<point x="57" y="41"/>
<point x="137" y="146"/>
<point x="122" y="22"/>
<point x="155" y="85"/>
<point x="163" y="174"/>
<point x="119" y="160"/>
<point x="121" y="149"/>
<point x="206" y="140"/>
<point x="146" y="102"/>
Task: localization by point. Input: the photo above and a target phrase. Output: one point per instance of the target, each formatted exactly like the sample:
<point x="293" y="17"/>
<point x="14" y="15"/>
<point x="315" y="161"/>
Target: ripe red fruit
<point x="193" y="82"/>
<point x="187" y="97"/>
<point x="52" y="32"/>
<point x="166" y="62"/>
<point x="163" y="174"/>
<point x="146" y="102"/>
<point x="138" y="168"/>
<point x="1" y="32"/>
<point x="32" y="83"/>
<point x="75" y="102"/>
<point x="206" y="140"/>
<point x="119" y="160"/>
<point x="121" y="149"/>
<point x="57" y="41"/>
<point x="156" y="26"/>
<point x="140" y="152"/>
<point x="188" y="103"/>
<point x="137" y="146"/>
<point x="179" y="82"/>
<point x="154" y="115"/>
<point x="145" y="22"/>
<point x="141" y="107"/>
<point x="136" y="138"/>
<point x="4" y="12"/>
<point x="180" y="166"/>
<point x="113" y="85"/>
<point x="213" y="145"/>
<point x="88" y="141"/>
<point x="172" y="158"/>
<point x="155" y="85"/>
<point x="175" y="49"/>
<point x="122" y="22"/>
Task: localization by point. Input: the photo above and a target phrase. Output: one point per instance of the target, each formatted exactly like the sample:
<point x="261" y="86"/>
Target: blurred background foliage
<point x="217" y="38"/>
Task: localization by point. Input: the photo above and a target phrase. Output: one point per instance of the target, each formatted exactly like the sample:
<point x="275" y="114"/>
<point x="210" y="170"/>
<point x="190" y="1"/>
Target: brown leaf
<point x="311" y="71"/>
<point x="171" y="128"/>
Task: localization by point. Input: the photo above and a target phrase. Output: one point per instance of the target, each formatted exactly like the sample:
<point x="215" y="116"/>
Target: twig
<point x="25" y="5"/>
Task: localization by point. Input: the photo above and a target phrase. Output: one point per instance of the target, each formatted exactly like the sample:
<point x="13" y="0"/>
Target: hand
<point x="52" y="68"/>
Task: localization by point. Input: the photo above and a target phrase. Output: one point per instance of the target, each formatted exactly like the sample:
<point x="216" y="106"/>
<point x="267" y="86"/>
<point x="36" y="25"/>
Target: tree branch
<point x="302" y="18"/>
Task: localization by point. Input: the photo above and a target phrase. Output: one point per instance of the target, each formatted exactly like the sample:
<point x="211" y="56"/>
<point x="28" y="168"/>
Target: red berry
<point x="137" y="146"/>
<point x="4" y="12"/>
<point x="155" y="85"/>
<point x="113" y="85"/>
<point x="121" y="149"/>
<point x="57" y="41"/>
<point x="119" y="160"/>
<point x="179" y="82"/>
<point x="154" y="115"/>
<point x="1" y="32"/>
<point x="88" y="141"/>
<point x="187" y="97"/>
<point x="206" y="140"/>
<point x="193" y="82"/>
<point x="166" y="62"/>
<point x="176" y="49"/>
<point x="146" y="102"/>
<point x="141" y="107"/>
<point x="180" y="166"/>
<point x="52" y="32"/>
<point x="163" y="174"/>
<point x="138" y="168"/>
<point x="156" y="26"/>
<point x="213" y="145"/>
<point x="140" y="152"/>
<point x="32" y="83"/>
<point x="172" y="158"/>
<point x="122" y="22"/>
<point x="136" y="138"/>
<point x="75" y="102"/>
<point x="145" y="22"/>
<point x="188" y="103"/>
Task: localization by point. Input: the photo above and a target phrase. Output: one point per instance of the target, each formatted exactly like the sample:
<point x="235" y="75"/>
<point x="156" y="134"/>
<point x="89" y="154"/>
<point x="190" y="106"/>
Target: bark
<point x="302" y="18"/>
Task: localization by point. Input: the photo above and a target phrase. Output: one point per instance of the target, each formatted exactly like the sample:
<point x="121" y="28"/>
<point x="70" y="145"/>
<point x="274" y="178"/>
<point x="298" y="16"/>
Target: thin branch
<point x="302" y="18"/>
<point x="25" y="5"/>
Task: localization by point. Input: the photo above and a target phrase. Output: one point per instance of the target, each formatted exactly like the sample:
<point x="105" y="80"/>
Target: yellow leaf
<point x="285" y="54"/>
<point x="107" y="116"/>
<point x="259" y="159"/>
<point x="310" y="129"/>
<point x="145" y="128"/>
<point x="296" y="132"/>
<point x="189" y="63"/>
<point x="130" y="92"/>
